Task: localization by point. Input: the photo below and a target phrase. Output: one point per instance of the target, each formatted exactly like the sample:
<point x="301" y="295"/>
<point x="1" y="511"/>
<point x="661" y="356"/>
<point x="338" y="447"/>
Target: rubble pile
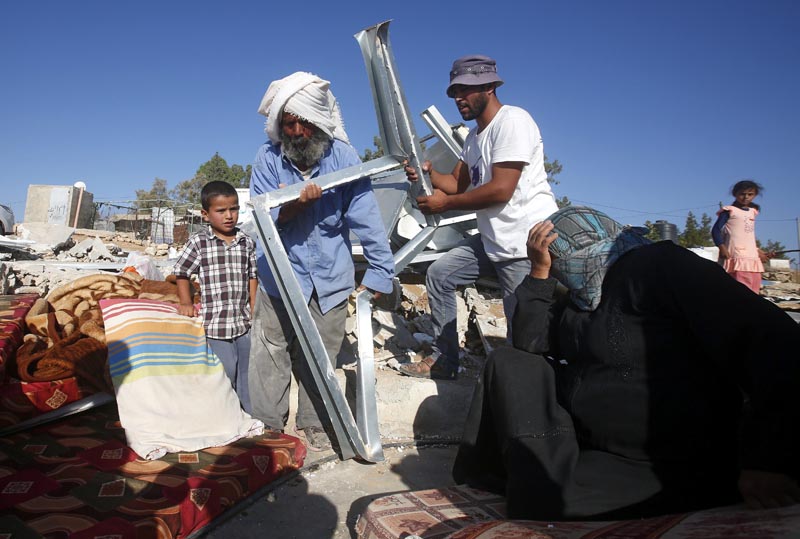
<point x="785" y="295"/>
<point x="406" y="334"/>
<point x="43" y="258"/>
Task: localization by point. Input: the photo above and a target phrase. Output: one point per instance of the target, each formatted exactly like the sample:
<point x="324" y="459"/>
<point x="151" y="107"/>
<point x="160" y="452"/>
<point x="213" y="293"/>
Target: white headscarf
<point x="306" y="96"/>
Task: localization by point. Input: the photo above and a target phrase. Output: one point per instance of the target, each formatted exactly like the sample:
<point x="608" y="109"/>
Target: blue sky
<point x="653" y="108"/>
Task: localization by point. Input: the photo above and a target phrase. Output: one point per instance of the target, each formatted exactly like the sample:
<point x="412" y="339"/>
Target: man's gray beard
<point x="305" y="151"/>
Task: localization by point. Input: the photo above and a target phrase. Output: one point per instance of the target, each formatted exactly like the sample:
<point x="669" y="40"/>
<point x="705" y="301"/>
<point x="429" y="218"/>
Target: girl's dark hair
<point x="741" y="185"/>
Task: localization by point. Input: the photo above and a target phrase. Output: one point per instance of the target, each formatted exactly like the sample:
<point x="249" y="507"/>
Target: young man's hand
<point x="187" y="310"/>
<point x="411" y="172"/>
<point x="435" y="203"/>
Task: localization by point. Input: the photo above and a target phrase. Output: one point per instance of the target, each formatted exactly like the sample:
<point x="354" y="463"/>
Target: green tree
<point x="155" y="197"/>
<point x="369" y="155"/>
<point x="563" y="202"/>
<point x="652" y="233"/>
<point x="694" y="234"/>
<point x="771" y="246"/>
<point x="215" y="169"/>
<point x="243" y="174"/>
<point x="188" y="191"/>
<point x="553" y="168"/>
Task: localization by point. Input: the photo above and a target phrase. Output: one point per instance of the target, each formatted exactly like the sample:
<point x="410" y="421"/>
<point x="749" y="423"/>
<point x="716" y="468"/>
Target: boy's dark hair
<point x="741" y="185"/>
<point x="216" y="189"/>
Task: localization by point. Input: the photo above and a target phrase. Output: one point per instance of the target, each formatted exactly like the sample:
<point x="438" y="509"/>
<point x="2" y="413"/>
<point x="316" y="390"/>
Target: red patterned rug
<point x="76" y="478"/>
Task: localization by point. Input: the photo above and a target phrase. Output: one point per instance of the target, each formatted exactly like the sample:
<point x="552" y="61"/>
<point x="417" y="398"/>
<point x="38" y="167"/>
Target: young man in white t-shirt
<point x="501" y="177"/>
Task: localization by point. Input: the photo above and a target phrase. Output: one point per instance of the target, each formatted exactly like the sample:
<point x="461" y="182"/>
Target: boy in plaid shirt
<point x="224" y="259"/>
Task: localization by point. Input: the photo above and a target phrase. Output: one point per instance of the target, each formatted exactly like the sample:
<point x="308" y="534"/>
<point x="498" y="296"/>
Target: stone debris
<point x="785" y="295"/>
<point x="475" y="301"/>
<point x="43" y="257"/>
<point x="91" y="249"/>
<point x="406" y="335"/>
<point x="46" y="237"/>
<point x="46" y="257"/>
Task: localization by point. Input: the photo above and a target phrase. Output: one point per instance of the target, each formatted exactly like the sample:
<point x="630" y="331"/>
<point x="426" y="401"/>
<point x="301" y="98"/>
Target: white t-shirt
<point x="512" y="135"/>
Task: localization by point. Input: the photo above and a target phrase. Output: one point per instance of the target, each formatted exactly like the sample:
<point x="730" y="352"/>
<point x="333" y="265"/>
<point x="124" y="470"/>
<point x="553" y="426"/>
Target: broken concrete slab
<point x="492" y="326"/>
<point x="48" y="237"/>
<point x="91" y="249"/>
<point x="393" y="327"/>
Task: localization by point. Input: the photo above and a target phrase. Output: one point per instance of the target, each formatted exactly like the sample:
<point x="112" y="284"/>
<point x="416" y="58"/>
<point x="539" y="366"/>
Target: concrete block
<point x="778" y="264"/>
<point x="46" y="236"/>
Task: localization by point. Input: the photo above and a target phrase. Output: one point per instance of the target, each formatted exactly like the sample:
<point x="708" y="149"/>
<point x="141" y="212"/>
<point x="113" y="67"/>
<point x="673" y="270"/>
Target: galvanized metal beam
<point x="289" y="193"/>
<point x="394" y="122"/>
<point x="366" y="407"/>
<point x="439" y="127"/>
<point x="352" y="441"/>
<point x="400" y="142"/>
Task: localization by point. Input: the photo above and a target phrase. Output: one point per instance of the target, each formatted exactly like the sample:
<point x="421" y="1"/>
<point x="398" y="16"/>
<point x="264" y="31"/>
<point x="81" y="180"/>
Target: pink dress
<point x="740" y="238"/>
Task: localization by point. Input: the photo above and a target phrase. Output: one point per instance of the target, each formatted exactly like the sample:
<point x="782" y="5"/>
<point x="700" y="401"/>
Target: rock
<point x="48" y="237"/>
<point x="475" y="301"/>
<point x="29" y="290"/>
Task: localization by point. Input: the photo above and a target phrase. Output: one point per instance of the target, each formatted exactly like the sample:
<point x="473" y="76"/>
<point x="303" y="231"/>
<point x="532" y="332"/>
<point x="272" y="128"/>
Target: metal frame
<point x="394" y="122"/>
<point x="353" y="441"/>
<point x="439" y="127"/>
<point x="400" y="141"/>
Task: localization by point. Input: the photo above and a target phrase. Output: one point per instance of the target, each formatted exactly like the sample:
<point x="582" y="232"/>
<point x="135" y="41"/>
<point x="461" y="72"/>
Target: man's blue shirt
<point x="317" y="240"/>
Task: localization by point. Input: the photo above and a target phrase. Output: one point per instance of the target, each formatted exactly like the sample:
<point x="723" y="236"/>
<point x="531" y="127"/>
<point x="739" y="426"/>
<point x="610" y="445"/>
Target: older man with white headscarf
<point x="307" y="139"/>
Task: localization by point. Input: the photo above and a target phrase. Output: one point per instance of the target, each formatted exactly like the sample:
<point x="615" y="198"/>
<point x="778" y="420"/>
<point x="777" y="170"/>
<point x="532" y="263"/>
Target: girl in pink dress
<point x="735" y="235"/>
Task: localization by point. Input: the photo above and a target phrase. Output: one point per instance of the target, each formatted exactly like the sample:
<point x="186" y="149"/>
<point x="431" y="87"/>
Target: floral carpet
<point x="464" y="513"/>
<point x="76" y="478"/>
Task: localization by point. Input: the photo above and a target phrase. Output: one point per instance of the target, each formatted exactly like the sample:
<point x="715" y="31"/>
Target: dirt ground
<point x="325" y="499"/>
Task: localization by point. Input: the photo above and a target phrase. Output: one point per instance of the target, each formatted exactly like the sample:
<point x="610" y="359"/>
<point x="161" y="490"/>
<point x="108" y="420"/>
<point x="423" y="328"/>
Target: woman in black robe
<point x="655" y="384"/>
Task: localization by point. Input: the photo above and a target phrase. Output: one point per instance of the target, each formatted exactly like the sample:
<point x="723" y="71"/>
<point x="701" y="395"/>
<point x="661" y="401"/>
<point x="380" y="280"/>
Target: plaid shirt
<point x="224" y="271"/>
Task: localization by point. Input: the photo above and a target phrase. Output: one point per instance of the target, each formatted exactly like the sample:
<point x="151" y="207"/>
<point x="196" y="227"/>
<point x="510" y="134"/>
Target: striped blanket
<point x="172" y="392"/>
